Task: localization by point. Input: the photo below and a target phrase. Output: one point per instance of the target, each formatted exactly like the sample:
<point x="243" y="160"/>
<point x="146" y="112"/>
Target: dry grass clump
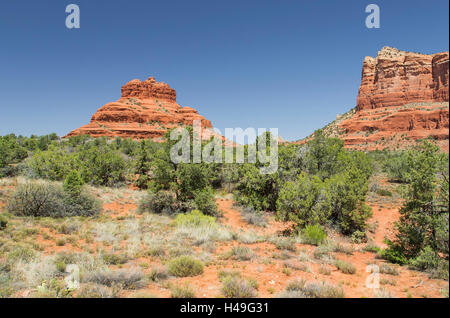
<point x="302" y="289"/>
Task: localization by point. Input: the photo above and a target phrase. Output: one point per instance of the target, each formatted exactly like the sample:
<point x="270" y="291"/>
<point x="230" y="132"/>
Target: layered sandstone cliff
<point x="403" y="98"/>
<point x="147" y="109"/>
<point x="396" y="78"/>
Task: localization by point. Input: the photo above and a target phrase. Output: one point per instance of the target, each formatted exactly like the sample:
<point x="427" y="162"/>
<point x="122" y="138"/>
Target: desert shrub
<point x="224" y="274"/>
<point x="91" y="290"/>
<point x="195" y="218"/>
<point x="304" y="201"/>
<point x="159" y="202"/>
<point x="114" y="259"/>
<point x="314" y="234"/>
<point x="384" y="193"/>
<point x="341" y="248"/>
<point x="423" y="228"/>
<point x="321" y="251"/>
<point x="3" y="221"/>
<point x="235" y="287"/>
<point x="10" y="150"/>
<point x="204" y="201"/>
<point x="389" y="270"/>
<point x="251" y="216"/>
<point x="371" y="247"/>
<point x="102" y="165"/>
<point x="256" y="190"/>
<point x="396" y="166"/>
<point x="241" y="253"/>
<point x="73" y="184"/>
<point x="359" y="237"/>
<point x="184" y="266"/>
<point x="285" y="244"/>
<point x="302" y="289"/>
<point x="324" y="270"/>
<point x="192" y="178"/>
<point x="125" y="278"/>
<point x="45" y="200"/>
<point x="347" y="192"/>
<point x="345" y="267"/>
<point x="158" y="274"/>
<point x="182" y="292"/>
<point x="53" y="164"/>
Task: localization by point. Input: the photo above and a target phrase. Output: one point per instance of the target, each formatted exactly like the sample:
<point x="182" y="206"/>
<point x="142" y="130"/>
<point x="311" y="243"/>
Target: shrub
<point x="386" y="269"/>
<point x="234" y="287"/>
<point x="3" y="221"/>
<point x="345" y="267"/>
<point x="301" y="289"/>
<point x="159" y="202"/>
<point x="158" y="273"/>
<point x="91" y="290"/>
<point x="304" y="201"/>
<point x="194" y="218"/>
<point x="384" y="193"/>
<point x="359" y="237"/>
<point x="185" y="266"/>
<point x="43" y="200"/>
<point x="114" y="259"/>
<point x="314" y="234"/>
<point x="73" y="184"/>
<point x="251" y="216"/>
<point x="125" y="278"/>
<point x="241" y="253"/>
<point x="182" y="292"/>
<point x="204" y="200"/>
<point x="286" y="244"/>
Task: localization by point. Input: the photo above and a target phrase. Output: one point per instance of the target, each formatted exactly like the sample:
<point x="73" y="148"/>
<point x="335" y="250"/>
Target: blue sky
<point x="291" y="65"/>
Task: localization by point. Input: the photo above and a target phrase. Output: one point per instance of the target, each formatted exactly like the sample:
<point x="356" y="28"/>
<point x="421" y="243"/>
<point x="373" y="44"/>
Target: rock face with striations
<point x="403" y="97"/>
<point x="396" y="78"/>
<point x="147" y="109"/>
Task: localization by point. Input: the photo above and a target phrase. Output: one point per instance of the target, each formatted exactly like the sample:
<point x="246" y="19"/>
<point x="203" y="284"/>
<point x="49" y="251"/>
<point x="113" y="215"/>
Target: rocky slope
<point x="403" y="97"/>
<point x="147" y="109"/>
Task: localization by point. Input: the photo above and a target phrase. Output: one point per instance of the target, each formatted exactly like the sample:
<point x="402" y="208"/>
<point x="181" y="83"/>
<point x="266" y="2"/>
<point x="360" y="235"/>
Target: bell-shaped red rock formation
<point x="147" y="109"/>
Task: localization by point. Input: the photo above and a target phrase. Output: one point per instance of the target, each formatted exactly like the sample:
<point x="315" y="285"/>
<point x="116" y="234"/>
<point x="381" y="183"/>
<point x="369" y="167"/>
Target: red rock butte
<point x="403" y="97"/>
<point x="147" y="109"/>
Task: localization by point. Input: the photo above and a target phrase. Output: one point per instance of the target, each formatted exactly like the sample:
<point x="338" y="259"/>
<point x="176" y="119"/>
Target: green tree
<point x="424" y="222"/>
<point x="304" y="201"/>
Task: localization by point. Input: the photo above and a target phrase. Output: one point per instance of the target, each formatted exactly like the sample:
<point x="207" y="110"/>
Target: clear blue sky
<point x="292" y="65"/>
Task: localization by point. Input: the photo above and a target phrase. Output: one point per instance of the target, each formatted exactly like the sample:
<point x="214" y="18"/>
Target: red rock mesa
<point x="403" y="97"/>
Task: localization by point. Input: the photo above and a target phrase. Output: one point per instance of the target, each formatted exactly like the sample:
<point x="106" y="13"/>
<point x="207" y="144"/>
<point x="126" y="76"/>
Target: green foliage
<point x="184" y="266"/>
<point x="194" y="218"/>
<point x="423" y="227"/>
<point x="322" y="155"/>
<point x="396" y="166"/>
<point x="257" y="190"/>
<point x="304" y="201"/>
<point x="314" y="234"/>
<point x="73" y="184"/>
<point x="3" y="221"/>
<point x="159" y="202"/>
<point x="204" y="201"/>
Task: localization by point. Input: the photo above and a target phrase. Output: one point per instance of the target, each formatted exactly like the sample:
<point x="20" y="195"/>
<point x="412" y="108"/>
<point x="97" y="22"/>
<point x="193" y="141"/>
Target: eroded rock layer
<point x="147" y="109"/>
<point x="396" y="78"/>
